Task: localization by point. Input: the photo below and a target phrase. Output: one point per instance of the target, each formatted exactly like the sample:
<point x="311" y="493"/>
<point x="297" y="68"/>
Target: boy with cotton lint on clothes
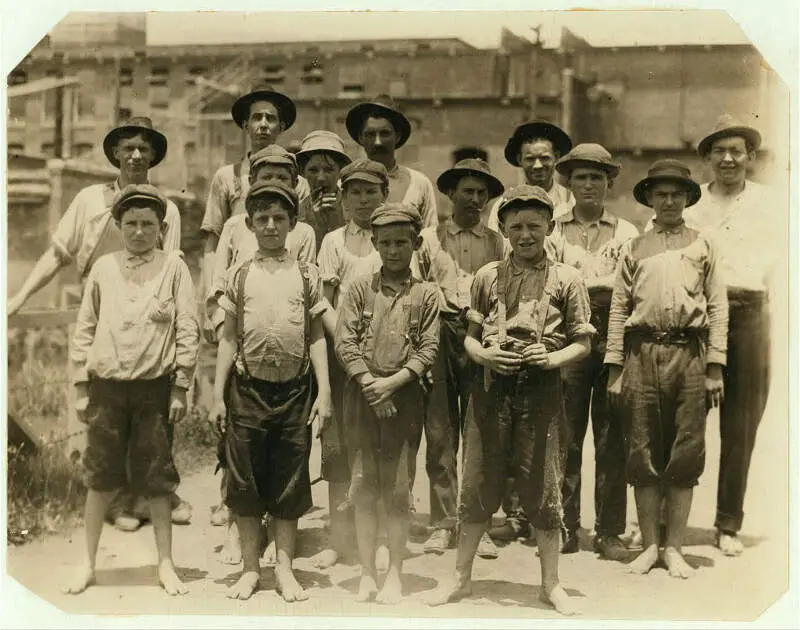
<point x="528" y="317"/>
<point x="272" y="332"/>
<point x="667" y="346"/>
<point x="134" y="354"/>
<point x="387" y="338"/>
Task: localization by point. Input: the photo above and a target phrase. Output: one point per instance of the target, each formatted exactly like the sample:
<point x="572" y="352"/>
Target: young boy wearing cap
<point x="468" y="246"/>
<point x="387" y="337"/>
<point x="237" y="242"/>
<point x="264" y="387"/>
<point x="321" y="158"/>
<point x="134" y="353"/>
<point x="528" y="317"/>
<point x="667" y="345"/>
<point x="591" y="237"/>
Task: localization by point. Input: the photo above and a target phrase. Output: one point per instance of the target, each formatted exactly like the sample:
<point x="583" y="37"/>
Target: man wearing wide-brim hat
<point x="589" y="237"/>
<point x="381" y="128"/>
<point x="466" y="245"/>
<point x="668" y="330"/>
<point x="87" y="230"/>
<point x="535" y="147"/>
<point x="747" y="222"/>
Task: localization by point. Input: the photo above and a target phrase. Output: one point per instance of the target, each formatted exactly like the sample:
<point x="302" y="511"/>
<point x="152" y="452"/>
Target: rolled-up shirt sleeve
<point x="620" y="310"/>
<point x="480" y="294"/>
<point x="717" y="308"/>
<point x="187" y="328"/>
<point x="430" y="216"/>
<point x="317" y="302"/>
<point x="422" y="357"/>
<point x="66" y="239"/>
<point x="307" y="246"/>
<point x="217" y="207"/>
<point x="346" y="339"/>
<point x="172" y="238"/>
<point x="578" y="310"/>
<point x="329" y="260"/>
<point x="85" y="328"/>
<point x="222" y="261"/>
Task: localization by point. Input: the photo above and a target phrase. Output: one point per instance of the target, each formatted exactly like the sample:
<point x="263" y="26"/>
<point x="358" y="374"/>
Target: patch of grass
<point x="195" y="444"/>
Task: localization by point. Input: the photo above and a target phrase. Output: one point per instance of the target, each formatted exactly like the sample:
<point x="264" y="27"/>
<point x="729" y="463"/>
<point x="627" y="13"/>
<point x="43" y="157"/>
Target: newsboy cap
<point x="389" y="213"/>
<point x="273" y="154"/>
<point x="279" y="190"/>
<point x="365" y="171"/>
<point x="145" y="193"/>
<point x="523" y="196"/>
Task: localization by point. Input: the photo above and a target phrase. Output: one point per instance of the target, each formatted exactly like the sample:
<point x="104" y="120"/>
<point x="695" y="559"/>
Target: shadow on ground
<point x="142" y="576"/>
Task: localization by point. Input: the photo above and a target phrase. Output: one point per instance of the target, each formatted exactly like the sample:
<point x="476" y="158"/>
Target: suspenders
<point x="415" y="318"/>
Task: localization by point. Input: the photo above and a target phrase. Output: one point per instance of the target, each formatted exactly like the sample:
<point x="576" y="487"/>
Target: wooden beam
<point x="43" y="318"/>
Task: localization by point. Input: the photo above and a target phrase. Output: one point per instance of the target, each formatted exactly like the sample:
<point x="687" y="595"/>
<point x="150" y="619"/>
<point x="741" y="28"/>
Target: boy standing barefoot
<point x="528" y="317"/>
<point x="134" y="354"/>
<point x="667" y="345"/>
<point x="387" y="337"/>
<point x="272" y="329"/>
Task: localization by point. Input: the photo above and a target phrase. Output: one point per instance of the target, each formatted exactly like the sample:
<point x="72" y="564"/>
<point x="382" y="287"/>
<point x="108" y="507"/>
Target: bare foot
<point x="245" y="587"/>
<point x="231" y="552"/>
<point x="644" y="561"/>
<point x="169" y="580"/>
<point x="730" y="545"/>
<point x="455" y="590"/>
<point x="676" y="563"/>
<point x="392" y="591"/>
<point x="288" y="586"/>
<point x="558" y="599"/>
<point x="325" y="559"/>
<point x="367" y="588"/>
<point x="382" y="559"/>
<point x="79" y="582"/>
<point x="270" y="556"/>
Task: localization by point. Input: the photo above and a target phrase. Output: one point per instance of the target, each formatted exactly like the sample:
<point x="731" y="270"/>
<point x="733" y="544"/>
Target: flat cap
<point x="588" y="154"/>
<point x="147" y="193"/>
<point x="522" y="196"/>
<point x="390" y="213"/>
<point x="279" y="190"/>
<point x="273" y="154"/>
<point x="365" y="171"/>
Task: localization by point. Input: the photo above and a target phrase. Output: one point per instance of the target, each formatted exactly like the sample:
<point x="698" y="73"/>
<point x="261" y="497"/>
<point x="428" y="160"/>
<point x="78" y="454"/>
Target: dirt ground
<point x="508" y="587"/>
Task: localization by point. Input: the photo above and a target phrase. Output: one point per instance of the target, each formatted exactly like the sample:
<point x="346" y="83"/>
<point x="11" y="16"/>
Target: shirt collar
<point x="606" y="217"/>
<point x="518" y="270"/>
<point x="454" y="228"/>
<point x="672" y="229"/>
<point x="283" y="257"/>
<point x="356" y="230"/>
<point x="404" y="284"/>
<point x="132" y="261"/>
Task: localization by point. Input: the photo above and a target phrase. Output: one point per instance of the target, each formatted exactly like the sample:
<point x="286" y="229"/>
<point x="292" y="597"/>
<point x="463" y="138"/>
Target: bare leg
<point x="249" y="528"/>
<point x="337" y="495"/>
<point x="549" y="543"/>
<point x="679" y="503"/>
<point x="161" y="515"/>
<point x="285" y="536"/>
<point x="648" y="509"/>
<point x="270" y="556"/>
<point x="94" y="517"/>
<point x="231" y="552"/>
<point x="397" y="527"/>
<point x="367" y="535"/>
<point x="460" y="585"/>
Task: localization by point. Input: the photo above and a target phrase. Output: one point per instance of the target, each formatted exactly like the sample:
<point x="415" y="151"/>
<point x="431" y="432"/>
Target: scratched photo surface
<point x="561" y="389"/>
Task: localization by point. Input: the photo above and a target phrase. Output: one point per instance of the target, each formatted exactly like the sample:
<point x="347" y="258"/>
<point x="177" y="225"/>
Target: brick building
<point x="639" y="102"/>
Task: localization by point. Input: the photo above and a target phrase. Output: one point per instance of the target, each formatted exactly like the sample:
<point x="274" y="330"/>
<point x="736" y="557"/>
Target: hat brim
<point x="273" y="194"/>
<point x="750" y="134"/>
<point x="561" y="142"/>
<point x="303" y="157"/>
<point x="157" y="139"/>
<point x="356" y="117"/>
<point x="565" y="167"/>
<point x="286" y="107"/>
<point x="448" y="180"/>
<point x="116" y="210"/>
<point x="364" y="177"/>
<point x="515" y="204"/>
<point x="691" y="186"/>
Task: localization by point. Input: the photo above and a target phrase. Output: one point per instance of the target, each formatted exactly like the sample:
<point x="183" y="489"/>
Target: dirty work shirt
<point x="413" y="188"/>
<point x="225" y="199"/>
<point x="385" y="348"/>
<point x="560" y="196"/>
<point x="567" y="316"/>
<point x="273" y="339"/>
<point x="669" y="279"/>
<point x="237" y="242"/>
<point x="137" y="320"/>
<point x="87" y="230"/>
<point x="465" y="249"/>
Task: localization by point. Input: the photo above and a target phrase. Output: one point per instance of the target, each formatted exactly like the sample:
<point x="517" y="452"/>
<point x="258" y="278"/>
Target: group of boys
<point x="337" y="297"/>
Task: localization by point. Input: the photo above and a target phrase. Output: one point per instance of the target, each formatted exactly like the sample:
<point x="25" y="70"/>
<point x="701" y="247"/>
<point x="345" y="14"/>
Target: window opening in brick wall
<point x="17" y="107"/>
<point x="158" y="92"/>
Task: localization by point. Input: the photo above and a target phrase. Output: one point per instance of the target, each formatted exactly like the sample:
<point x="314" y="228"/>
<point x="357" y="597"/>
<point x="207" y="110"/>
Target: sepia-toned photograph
<point x="445" y="315"/>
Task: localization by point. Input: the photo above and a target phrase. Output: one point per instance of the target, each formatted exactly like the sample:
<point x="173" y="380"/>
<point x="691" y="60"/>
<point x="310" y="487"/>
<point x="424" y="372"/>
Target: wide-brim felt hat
<point x="727" y="126"/>
<point x="322" y="141"/>
<point x="286" y="107"/>
<point x="448" y="180"/>
<point x="136" y="125"/>
<point x="561" y="142"/>
<point x="588" y="155"/>
<point x="381" y="106"/>
<point x="668" y="170"/>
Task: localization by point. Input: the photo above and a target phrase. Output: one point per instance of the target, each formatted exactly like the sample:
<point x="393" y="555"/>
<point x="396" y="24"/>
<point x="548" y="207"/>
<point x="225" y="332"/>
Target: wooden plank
<point x="43" y="318"/>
